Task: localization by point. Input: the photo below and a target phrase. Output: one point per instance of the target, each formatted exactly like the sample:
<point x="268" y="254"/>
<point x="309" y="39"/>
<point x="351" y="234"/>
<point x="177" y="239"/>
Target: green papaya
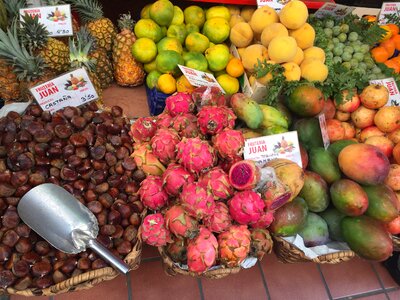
<point x="309" y="133"/>
<point x="337" y="146"/>
<point x="382" y="202"/>
<point x="247" y="110"/>
<point x="325" y="164"/>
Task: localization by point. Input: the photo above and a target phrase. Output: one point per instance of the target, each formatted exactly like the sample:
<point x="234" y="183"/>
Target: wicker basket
<point x="396" y="243"/>
<point x="289" y="253"/>
<point x="172" y="269"/>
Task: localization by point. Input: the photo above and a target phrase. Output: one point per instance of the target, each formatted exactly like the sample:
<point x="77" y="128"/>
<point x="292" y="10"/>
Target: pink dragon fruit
<point x="154" y="232"/>
<point x="164" y="120"/>
<point x="234" y="245"/>
<point x="213" y="119"/>
<point x="197" y="200"/>
<point x="195" y="155"/>
<point x="217" y="181"/>
<point x="177" y="250"/>
<point x="266" y="219"/>
<point x="146" y="160"/>
<point x="202" y="251"/>
<point x="179" y="103"/>
<point x="163" y="144"/>
<point x="220" y="220"/>
<point x="261" y="242"/>
<point x="246" y="207"/>
<point x="152" y="194"/>
<point x="229" y="144"/>
<point x="244" y="175"/>
<point x="143" y="129"/>
<point x="208" y="95"/>
<point x="179" y="222"/>
<point x="175" y="178"/>
<point x="226" y="164"/>
<point x="186" y="125"/>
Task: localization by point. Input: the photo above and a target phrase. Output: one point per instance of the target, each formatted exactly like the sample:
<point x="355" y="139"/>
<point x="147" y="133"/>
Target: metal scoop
<point x="64" y="222"/>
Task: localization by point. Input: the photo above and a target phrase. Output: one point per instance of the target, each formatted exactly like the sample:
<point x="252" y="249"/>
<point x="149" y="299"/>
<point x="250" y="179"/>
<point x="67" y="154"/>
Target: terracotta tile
<point x="395" y="295"/>
<point x="386" y="278"/>
<point x="247" y="284"/>
<point x="374" y="297"/>
<point x="132" y="100"/>
<point x="293" y="281"/>
<point x="348" y="278"/>
<point x="149" y="251"/>
<point x="16" y="297"/>
<point x="149" y="282"/>
<point x="115" y="289"/>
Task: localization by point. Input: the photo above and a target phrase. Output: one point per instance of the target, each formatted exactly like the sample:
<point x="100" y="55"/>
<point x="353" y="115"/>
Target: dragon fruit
<point x="195" y="155"/>
<point x="177" y="250"/>
<point x="261" y="242"/>
<point x="234" y="245"/>
<point x="146" y="160"/>
<point x="226" y="164"/>
<point x="229" y="144"/>
<point x="217" y="181"/>
<point x="179" y="103"/>
<point x="185" y="125"/>
<point x="163" y="144"/>
<point x="220" y="220"/>
<point x="153" y="231"/>
<point x="208" y="96"/>
<point x="266" y="219"/>
<point x="164" y="120"/>
<point x="244" y="175"/>
<point x="175" y="178"/>
<point x="202" y="251"/>
<point x="179" y="222"/>
<point x="197" y="200"/>
<point x="213" y="119"/>
<point x="152" y="194"/>
<point x="143" y="129"/>
<point x="246" y="207"/>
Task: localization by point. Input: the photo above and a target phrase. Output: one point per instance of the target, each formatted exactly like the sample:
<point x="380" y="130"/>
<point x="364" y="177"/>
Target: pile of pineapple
<point x="28" y="56"/>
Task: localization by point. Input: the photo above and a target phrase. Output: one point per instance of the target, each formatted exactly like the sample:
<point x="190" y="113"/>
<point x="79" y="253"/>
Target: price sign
<point x="57" y="19"/>
<point x="275" y="4"/>
<point x="263" y="149"/>
<point x="324" y="130"/>
<point x="70" y="89"/>
<point x="337" y="11"/>
<point x="199" y="78"/>
<point x="388" y="8"/>
<point x="390" y="84"/>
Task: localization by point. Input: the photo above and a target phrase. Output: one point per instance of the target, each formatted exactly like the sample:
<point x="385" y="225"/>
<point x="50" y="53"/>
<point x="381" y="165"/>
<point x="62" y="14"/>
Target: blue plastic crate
<point x="156" y="101"/>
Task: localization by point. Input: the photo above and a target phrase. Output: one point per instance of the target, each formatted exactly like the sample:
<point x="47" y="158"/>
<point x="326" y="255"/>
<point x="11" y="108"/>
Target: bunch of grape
<point x="346" y="47"/>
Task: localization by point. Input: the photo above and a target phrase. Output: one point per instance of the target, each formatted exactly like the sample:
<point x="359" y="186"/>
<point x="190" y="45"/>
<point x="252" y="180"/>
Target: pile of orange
<point x="390" y="42"/>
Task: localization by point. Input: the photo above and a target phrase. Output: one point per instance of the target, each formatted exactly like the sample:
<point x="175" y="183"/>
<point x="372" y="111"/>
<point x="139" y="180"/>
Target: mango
<point x="365" y="164"/>
<point x="247" y="110"/>
<point x="338" y="146"/>
<point x="367" y="237"/>
<point x="315" y="231"/>
<point x="305" y="101"/>
<point x="290" y="218"/>
<point x="333" y="218"/>
<point x="309" y="132"/>
<point x="274" y="129"/>
<point x="324" y="163"/>
<point x="348" y="197"/>
<point x="382" y="203"/>
<point x="315" y="192"/>
<point x="273" y="117"/>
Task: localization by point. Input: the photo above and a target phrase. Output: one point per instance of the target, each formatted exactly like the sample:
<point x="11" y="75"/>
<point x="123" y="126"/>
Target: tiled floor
<point x="270" y="279"/>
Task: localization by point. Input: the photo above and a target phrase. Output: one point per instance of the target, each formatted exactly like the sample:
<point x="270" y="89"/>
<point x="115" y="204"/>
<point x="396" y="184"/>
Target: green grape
<point x="346" y="56"/>
<point x="357" y="48"/>
<point x="376" y="70"/>
<point x="328" y="32"/>
<point x="347" y="65"/>
<point x="330" y="46"/>
<point x="335" y="41"/>
<point x="342" y="37"/>
<point x="329" y="23"/>
<point x="336" y="30"/>
<point x="364" y="48"/>
<point x="358" y="56"/>
<point x="338" y="51"/>
<point x="362" y="66"/>
<point x="337" y="59"/>
<point x="353" y="36"/>
<point x="344" y="28"/>
<point x="348" y="49"/>
<point x="354" y="62"/>
<point x="370" y="64"/>
<point x="329" y="54"/>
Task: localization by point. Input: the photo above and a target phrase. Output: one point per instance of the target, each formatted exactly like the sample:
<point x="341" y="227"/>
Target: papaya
<point x="290" y="218"/>
<point x="309" y="132"/>
<point x="305" y="101"/>
<point x="367" y="237"/>
<point x="247" y="110"/>
<point x="338" y="146"/>
<point x="333" y="218"/>
<point x="272" y="117"/>
<point x="315" y="231"/>
<point x="382" y="203"/>
<point x="315" y="192"/>
<point x="325" y="164"/>
<point x="348" y="197"/>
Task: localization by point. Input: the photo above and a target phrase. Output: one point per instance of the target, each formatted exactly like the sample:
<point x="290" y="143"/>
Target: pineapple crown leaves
<point x="3" y="16"/>
<point x="79" y="55"/>
<point x="26" y="66"/>
<point x="13" y="7"/>
<point x="88" y="10"/>
<point x="85" y="37"/>
<point x="125" y="21"/>
<point x="52" y="2"/>
<point x="33" y="34"/>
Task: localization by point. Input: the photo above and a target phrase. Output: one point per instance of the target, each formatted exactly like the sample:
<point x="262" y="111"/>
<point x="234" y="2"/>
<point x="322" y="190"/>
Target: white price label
<point x="324" y="130"/>
<point x="70" y="89"/>
<point x="337" y="11"/>
<point x="388" y="8"/>
<point x="199" y="78"/>
<point x="390" y="84"/>
<point x="275" y="4"/>
<point x="57" y="19"/>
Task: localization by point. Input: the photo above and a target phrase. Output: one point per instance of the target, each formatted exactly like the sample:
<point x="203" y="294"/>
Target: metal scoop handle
<point x="119" y="264"/>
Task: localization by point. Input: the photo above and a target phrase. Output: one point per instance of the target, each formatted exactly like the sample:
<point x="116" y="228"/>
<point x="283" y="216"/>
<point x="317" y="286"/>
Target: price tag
<point x="388" y="8"/>
<point x="57" y="19"/>
<point x="324" y="130"/>
<point x="275" y="4"/>
<point x="70" y="89"/>
<point x="390" y="84"/>
<point x="337" y="11"/>
<point x="199" y="78"/>
<point x="283" y="145"/>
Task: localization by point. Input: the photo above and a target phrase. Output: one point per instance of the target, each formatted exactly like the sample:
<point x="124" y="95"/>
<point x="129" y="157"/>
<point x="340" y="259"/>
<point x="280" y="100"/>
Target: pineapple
<point x="91" y="13"/>
<point x="12" y="8"/>
<point x="79" y="57"/>
<point x="127" y="71"/>
<point x="29" y="70"/>
<point x="35" y="37"/>
<point x="3" y="16"/>
<point x="104" y="70"/>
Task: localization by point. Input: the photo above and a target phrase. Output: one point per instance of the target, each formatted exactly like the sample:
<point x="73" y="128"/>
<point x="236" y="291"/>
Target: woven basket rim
<point x="396" y="242"/>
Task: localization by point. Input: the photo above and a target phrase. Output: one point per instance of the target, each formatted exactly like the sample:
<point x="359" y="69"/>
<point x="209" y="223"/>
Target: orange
<point x="396" y="41"/>
<point x="235" y="67"/>
<point x="370" y="19"/>
<point x="393" y="28"/>
<point x="388" y="33"/>
<point x="379" y="54"/>
<point x="393" y="65"/>
<point x="389" y="46"/>
<point x="396" y="59"/>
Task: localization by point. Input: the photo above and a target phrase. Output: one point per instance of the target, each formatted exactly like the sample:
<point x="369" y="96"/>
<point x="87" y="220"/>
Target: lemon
<point x="166" y="83"/>
<point x="228" y="83"/>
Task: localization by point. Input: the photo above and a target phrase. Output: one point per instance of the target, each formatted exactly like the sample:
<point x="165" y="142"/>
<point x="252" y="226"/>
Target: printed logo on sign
<point x="389" y="8"/>
<point x="334" y="10"/>
<point x="275" y="4"/>
<point x="74" y="83"/>
<point x="199" y="78"/>
<point x="57" y="15"/>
